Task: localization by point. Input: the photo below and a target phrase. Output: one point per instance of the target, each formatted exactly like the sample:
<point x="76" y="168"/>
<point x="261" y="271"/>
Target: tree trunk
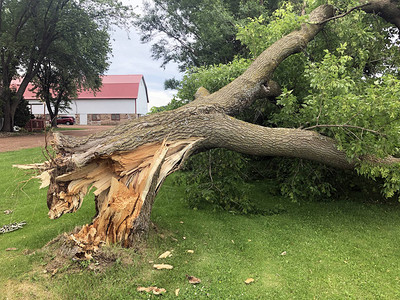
<point x="128" y="163"/>
<point x="8" y="117"/>
<point x="52" y="114"/>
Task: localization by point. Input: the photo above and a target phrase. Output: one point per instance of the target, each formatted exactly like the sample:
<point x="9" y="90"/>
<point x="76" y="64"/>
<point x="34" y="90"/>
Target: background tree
<point x="27" y="31"/>
<point x="197" y="33"/>
<point x="73" y="63"/>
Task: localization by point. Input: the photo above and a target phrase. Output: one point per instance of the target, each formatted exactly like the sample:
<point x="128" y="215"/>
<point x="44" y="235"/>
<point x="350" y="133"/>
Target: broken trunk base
<point x="125" y="183"/>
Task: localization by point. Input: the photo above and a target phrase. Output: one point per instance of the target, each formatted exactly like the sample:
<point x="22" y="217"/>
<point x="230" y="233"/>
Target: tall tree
<point x="196" y="33"/>
<point x="27" y="31"/>
<point x="73" y="63"/>
<point x="127" y="164"/>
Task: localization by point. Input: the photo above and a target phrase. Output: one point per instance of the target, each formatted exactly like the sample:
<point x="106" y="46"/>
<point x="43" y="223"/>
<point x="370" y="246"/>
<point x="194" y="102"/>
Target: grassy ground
<point x="333" y="250"/>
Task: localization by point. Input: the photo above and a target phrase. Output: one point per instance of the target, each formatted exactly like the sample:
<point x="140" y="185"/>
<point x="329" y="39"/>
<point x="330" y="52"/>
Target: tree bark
<point x="128" y="163"/>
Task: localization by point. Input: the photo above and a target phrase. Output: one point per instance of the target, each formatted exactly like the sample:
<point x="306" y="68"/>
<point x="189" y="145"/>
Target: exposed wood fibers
<point x="122" y="182"/>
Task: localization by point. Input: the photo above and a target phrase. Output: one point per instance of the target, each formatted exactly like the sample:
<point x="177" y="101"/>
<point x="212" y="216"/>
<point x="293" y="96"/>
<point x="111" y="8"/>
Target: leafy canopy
<point x="75" y="61"/>
<point x="197" y="33"/>
<point x="345" y="85"/>
<point x="29" y="31"/>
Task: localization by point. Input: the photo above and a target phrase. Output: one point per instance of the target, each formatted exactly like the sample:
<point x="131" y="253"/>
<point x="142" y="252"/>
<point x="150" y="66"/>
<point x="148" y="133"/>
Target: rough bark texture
<point x="387" y="9"/>
<point x="127" y="164"/>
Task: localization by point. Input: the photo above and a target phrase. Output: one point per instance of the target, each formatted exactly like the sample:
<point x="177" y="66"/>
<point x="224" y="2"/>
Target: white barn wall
<point x="97" y="106"/>
<point x="83" y="107"/>
<point x="142" y="105"/>
<point x="37" y="107"/>
<point x="102" y="106"/>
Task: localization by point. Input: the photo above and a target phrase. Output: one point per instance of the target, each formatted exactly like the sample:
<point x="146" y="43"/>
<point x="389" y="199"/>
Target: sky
<point x="130" y="56"/>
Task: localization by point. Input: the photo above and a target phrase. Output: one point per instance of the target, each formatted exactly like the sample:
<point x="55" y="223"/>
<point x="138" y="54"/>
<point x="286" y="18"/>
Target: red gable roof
<point x="114" y="87"/>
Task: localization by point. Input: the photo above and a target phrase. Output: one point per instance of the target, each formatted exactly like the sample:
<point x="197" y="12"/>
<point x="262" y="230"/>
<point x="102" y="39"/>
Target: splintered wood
<point x="123" y="182"/>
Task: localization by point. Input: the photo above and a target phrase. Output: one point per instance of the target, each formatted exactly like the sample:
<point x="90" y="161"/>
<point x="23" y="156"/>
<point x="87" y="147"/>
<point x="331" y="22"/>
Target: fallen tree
<point x="128" y="164"/>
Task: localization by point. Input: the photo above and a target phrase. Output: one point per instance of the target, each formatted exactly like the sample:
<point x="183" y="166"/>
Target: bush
<point x="22" y="114"/>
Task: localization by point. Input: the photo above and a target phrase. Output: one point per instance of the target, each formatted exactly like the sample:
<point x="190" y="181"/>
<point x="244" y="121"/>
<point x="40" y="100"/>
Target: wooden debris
<point x="193" y="280"/>
<point x="177" y="292"/>
<point x="151" y="289"/>
<point x="249" y="280"/>
<point x="165" y="254"/>
<point x="162" y="266"/>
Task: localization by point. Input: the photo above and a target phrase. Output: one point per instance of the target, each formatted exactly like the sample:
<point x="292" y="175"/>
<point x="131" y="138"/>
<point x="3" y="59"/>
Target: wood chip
<point x="165" y="254"/>
<point x="11" y="249"/>
<point x="249" y="280"/>
<point x="190" y="251"/>
<point x="193" y="280"/>
<point x="177" y="292"/>
<point x="162" y="266"/>
<point x="158" y="291"/>
<point x="155" y="290"/>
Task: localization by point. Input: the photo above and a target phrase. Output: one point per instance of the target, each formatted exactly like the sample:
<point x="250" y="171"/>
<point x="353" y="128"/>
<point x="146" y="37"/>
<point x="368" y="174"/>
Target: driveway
<point x="13" y="143"/>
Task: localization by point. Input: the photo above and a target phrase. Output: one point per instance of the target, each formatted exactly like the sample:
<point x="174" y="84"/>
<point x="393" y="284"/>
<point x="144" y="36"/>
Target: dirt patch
<point x="60" y="257"/>
<point x="13" y="141"/>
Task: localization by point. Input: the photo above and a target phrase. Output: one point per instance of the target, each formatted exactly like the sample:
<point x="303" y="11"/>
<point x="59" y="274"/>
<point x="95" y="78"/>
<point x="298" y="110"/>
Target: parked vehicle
<point x="68" y="120"/>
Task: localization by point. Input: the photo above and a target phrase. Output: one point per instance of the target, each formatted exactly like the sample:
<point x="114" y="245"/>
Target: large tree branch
<point x="387" y="9"/>
<point x="241" y="92"/>
<point x="344" y="14"/>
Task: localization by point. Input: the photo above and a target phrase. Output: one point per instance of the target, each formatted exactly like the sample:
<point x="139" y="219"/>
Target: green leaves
<point x="213" y="177"/>
<point x="210" y="77"/>
<point x="261" y="32"/>
<point x="344" y="85"/>
<point x="361" y="114"/>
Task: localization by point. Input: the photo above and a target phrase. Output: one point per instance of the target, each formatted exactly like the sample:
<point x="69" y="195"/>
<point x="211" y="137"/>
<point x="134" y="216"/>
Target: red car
<point x="66" y="120"/>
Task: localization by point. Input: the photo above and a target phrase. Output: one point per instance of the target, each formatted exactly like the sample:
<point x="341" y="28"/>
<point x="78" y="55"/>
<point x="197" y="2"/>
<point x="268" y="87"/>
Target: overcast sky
<point x="132" y="57"/>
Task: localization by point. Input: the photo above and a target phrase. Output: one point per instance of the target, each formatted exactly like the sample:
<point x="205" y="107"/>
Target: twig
<point x="345" y="126"/>
<point x="352" y="133"/>
<point x="320" y="111"/>
<point x="352" y="117"/>
<point x="343" y="14"/>
<point x="51" y="157"/>
<point x="303" y="9"/>
<point x="209" y="167"/>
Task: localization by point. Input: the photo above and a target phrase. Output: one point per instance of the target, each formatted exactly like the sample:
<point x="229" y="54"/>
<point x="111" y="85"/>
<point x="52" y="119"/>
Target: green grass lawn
<point x="334" y="250"/>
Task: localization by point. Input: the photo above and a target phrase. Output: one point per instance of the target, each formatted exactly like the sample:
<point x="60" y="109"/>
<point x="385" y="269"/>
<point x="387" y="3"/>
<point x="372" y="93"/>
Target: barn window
<point x="96" y="117"/>
<point x="115" y="117"/>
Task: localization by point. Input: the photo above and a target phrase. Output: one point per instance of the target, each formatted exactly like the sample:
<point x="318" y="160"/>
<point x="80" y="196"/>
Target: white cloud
<point x="130" y="56"/>
<point x="160" y="98"/>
